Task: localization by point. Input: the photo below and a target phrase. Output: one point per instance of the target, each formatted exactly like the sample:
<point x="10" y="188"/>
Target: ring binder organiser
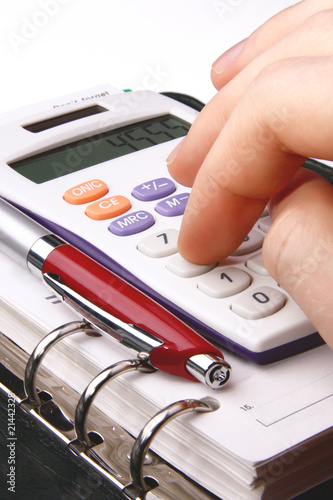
<point x="108" y="457"/>
<point x="202" y="472"/>
<point x="154" y="425"/>
<point x="95" y="385"/>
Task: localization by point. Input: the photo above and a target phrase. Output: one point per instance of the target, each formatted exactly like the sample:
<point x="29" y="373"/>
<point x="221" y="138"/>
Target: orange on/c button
<point x="108" y="207"/>
<point x="86" y="192"/>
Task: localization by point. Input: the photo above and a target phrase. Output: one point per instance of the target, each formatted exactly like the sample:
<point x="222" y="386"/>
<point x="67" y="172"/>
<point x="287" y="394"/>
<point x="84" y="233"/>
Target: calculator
<point x="92" y="169"/>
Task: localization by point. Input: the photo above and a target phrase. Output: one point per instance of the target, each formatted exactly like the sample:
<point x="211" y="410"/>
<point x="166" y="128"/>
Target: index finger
<point x="275" y="126"/>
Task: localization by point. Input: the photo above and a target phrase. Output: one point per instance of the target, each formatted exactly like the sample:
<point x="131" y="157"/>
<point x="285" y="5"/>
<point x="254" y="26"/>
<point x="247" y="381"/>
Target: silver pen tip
<point x="210" y="370"/>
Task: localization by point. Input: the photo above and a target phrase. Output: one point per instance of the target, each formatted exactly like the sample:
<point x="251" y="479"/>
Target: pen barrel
<point x="120" y="299"/>
<point x="18" y="233"/>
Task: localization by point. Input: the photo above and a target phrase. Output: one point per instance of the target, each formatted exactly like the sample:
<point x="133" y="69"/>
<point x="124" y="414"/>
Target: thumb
<point x="298" y="249"/>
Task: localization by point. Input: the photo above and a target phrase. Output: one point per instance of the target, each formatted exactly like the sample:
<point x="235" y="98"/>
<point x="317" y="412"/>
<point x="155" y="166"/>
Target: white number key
<point x="252" y="242"/>
<point x="258" y="303"/>
<point x="256" y="264"/>
<point x="185" y="269"/>
<point x="224" y="282"/>
<point x="160" y="244"/>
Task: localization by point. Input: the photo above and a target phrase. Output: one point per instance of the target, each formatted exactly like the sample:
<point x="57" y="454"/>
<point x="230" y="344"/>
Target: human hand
<point x="273" y="110"/>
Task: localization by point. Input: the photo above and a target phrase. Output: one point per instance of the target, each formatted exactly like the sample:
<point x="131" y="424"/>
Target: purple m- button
<point x="175" y="205"/>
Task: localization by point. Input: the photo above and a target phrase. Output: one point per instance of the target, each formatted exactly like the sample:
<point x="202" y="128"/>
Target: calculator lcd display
<point x="96" y="149"/>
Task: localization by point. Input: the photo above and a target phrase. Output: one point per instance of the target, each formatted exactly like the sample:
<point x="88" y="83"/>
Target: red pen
<point x="109" y="303"/>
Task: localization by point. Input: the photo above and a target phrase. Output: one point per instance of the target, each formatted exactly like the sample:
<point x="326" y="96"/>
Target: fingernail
<point x="172" y="156"/>
<point x="227" y="58"/>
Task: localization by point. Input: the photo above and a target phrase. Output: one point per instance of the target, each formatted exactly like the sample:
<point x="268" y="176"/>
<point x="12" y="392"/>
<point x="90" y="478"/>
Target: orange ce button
<point x="86" y="192"/>
<point x="108" y="208"/>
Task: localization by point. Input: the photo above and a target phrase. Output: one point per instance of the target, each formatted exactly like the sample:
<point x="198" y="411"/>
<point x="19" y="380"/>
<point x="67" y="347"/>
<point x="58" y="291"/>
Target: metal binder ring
<point x="39" y="352"/>
<point x="156" y="423"/>
<point x="88" y="395"/>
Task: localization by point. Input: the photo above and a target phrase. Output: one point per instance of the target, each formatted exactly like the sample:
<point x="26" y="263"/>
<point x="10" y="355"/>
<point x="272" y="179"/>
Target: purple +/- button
<point x="133" y="223"/>
<point x="154" y="189"/>
<point x="175" y="205"/>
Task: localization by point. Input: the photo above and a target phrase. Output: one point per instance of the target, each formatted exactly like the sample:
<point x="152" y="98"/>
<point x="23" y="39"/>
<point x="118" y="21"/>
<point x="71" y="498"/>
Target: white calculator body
<point x="92" y="169"/>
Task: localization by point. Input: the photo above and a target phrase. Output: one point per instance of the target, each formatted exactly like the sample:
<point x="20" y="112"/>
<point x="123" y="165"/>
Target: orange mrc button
<point x="108" y="207"/>
<point x="86" y="192"/>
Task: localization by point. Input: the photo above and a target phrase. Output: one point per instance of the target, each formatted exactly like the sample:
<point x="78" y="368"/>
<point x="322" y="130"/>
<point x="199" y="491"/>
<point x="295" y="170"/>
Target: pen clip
<point x="131" y="336"/>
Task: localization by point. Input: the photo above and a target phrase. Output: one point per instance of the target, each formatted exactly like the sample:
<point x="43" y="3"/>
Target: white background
<point x="54" y="47"/>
